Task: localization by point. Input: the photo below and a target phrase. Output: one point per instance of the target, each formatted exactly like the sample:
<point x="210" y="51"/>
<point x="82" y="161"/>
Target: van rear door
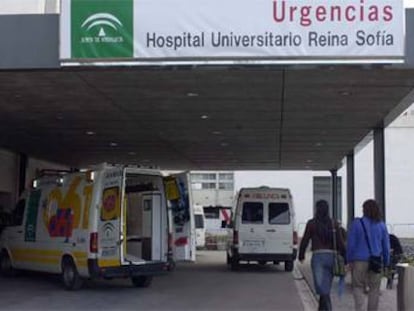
<point x="279" y="227"/>
<point x="182" y="217"/>
<point x="110" y="236"/>
<point x="252" y="235"/>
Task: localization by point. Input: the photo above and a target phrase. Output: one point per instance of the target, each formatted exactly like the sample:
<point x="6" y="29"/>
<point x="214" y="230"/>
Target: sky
<point x="409" y="3"/>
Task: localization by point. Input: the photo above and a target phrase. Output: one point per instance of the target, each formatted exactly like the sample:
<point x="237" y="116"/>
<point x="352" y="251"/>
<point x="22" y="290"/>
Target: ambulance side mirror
<point x="223" y="224"/>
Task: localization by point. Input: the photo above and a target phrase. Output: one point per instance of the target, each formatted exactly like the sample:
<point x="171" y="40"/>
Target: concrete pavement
<point x="388" y="298"/>
<point x="206" y="285"/>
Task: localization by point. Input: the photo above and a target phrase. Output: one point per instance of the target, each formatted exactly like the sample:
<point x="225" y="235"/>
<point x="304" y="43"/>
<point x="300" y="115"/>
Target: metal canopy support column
<point x="350" y="187"/>
<point x="22" y="172"/>
<point x="379" y="168"/>
<point x="334" y="183"/>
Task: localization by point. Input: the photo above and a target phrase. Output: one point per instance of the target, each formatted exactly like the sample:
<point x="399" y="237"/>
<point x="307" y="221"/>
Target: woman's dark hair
<point x="371" y="210"/>
<point x="323" y="222"/>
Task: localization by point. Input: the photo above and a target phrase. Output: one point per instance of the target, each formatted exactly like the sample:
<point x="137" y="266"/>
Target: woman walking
<point x="320" y="231"/>
<point x="367" y="237"/>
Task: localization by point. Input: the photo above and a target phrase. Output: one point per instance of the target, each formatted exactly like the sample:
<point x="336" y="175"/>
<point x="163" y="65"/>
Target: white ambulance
<point x="199" y="224"/>
<point x="262" y="228"/>
<point x="108" y="222"/>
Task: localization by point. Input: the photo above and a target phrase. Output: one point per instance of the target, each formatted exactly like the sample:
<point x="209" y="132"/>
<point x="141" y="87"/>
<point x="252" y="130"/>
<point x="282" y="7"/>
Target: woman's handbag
<point x="374" y="262"/>
<point x="339" y="265"/>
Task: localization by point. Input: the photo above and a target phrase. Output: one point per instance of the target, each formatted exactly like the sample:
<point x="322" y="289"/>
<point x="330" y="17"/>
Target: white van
<point x="106" y="223"/>
<point x="199" y="223"/>
<point x="262" y="228"/>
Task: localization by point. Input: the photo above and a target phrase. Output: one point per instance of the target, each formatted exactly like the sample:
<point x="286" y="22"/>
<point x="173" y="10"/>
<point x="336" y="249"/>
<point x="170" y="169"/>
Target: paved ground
<point x="388" y="299"/>
<point x="206" y="285"/>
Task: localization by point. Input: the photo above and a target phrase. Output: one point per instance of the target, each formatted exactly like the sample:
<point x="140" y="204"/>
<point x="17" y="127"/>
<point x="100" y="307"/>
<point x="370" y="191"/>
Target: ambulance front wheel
<point x="141" y="281"/>
<point x="70" y="275"/>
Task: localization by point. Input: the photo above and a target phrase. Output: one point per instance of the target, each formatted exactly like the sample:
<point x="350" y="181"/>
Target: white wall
<point x="29" y="6"/>
<point x="400" y="179"/>
<point x="364" y="177"/>
<point x="207" y="197"/>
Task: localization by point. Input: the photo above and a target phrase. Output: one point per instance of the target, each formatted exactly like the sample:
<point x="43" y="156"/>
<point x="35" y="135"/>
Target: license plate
<point x="253" y="243"/>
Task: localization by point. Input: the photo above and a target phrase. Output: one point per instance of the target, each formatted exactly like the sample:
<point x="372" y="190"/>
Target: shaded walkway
<point x="388" y="298"/>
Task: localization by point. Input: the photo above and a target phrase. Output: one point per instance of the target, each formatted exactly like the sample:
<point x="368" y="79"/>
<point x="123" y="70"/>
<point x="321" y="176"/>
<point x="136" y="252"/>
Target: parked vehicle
<point x="214" y="217"/>
<point x="108" y="222"/>
<point x="200" y="229"/>
<point x="262" y="228"/>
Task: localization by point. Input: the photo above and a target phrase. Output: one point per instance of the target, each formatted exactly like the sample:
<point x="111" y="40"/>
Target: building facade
<point x="214" y="191"/>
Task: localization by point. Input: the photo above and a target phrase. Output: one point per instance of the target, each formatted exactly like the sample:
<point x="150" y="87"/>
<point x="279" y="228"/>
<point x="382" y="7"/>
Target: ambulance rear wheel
<point x="141" y="281"/>
<point x="70" y="275"/>
<point x="6" y="268"/>
<point x="234" y="263"/>
<point x="289" y="265"/>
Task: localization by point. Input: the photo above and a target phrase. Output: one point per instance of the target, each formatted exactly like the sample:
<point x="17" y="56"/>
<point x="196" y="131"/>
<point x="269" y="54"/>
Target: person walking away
<point x="396" y="253"/>
<point x="367" y="236"/>
<point x="319" y="230"/>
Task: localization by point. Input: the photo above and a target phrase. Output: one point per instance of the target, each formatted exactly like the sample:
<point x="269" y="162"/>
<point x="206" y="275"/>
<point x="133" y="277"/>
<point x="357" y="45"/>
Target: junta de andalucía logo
<point x="102" y="27"/>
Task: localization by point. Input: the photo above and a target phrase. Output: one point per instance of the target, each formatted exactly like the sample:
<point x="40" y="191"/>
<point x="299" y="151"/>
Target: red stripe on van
<point x="181" y="241"/>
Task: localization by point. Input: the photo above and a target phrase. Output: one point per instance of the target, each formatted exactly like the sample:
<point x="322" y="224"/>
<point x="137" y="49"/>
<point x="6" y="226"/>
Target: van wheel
<point x="234" y="264"/>
<point x="289" y="265"/>
<point x="70" y="276"/>
<point x="171" y="265"/>
<point x="6" y="268"/>
<point x="141" y="281"/>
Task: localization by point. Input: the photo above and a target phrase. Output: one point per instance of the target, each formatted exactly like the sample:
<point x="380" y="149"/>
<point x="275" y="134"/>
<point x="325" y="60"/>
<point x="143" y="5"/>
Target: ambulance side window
<point x="18" y="212"/>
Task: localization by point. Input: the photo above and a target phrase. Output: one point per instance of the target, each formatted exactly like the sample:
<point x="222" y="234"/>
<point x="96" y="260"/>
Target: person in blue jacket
<point x="358" y="254"/>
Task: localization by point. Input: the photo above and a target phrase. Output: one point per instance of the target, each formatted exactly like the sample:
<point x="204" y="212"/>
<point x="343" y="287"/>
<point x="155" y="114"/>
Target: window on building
<point x="203" y="176"/>
<point x="225" y="186"/>
<point x="196" y="176"/>
<point x="225" y="176"/>
<point x="211" y="212"/>
<point x="252" y="213"/>
<point x="196" y="186"/>
<point x="212" y="176"/>
<point x="208" y="185"/>
<point x="279" y="213"/>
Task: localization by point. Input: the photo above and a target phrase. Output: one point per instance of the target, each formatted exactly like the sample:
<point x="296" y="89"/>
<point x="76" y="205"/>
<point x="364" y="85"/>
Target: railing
<point x="401" y="230"/>
<point x="217" y="240"/>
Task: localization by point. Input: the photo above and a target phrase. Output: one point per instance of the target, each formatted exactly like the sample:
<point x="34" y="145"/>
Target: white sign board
<point x="235" y="30"/>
